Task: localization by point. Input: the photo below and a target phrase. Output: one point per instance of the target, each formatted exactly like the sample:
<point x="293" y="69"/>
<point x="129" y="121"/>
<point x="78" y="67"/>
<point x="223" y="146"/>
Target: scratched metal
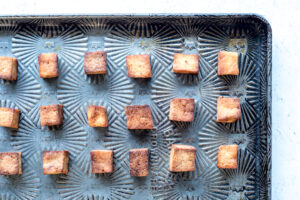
<point x="161" y="36"/>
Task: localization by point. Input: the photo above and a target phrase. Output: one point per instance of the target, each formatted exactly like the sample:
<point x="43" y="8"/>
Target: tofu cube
<point x="95" y="62"/>
<point x="182" y="158"/>
<point x="10" y="163"/>
<point x="227" y="157"/>
<point x="55" y="162"/>
<point x="48" y="67"/>
<point x="138" y="162"/>
<point x="8" y="68"/>
<point x="228" y="63"/>
<point x="186" y="63"/>
<point x="138" y="66"/>
<point x="139" y="117"/>
<point x="102" y="161"/>
<point x="51" y="115"/>
<point x="97" y="116"/>
<point x="9" y="117"/>
<point x="182" y="109"/>
<point x="228" y="109"/>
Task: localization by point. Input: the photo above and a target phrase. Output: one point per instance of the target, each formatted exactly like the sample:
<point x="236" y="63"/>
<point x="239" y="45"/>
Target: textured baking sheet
<point x="161" y="36"/>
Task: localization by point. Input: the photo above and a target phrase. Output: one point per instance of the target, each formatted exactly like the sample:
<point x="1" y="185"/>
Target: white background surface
<point x="284" y="17"/>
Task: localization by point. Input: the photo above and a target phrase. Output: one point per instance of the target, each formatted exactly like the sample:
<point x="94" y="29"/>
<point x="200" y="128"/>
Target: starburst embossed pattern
<point x="209" y="184"/>
<point x="31" y="137"/>
<point x="142" y="39"/>
<point x="96" y="30"/>
<point x="189" y="30"/>
<point x="25" y="92"/>
<point x="96" y="136"/>
<point x="68" y="42"/>
<point x="242" y="180"/>
<point x="161" y="37"/>
<point x="245" y="86"/>
<point x="205" y="90"/>
<point x="242" y="39"/>
<point x="78" y="185"/>
<point x="114" y="88"/>
<point x="8" y="29"/>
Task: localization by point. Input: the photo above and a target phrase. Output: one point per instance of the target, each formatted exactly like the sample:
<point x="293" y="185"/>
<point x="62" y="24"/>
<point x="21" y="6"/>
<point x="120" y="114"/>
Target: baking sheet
<point x="161" y="36"/>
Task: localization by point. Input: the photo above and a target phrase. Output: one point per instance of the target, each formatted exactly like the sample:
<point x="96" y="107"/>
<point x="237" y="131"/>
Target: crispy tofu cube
<point x="182" y="158"/>
<point x="228" y="109"/>
<point x="55" y="162"/>
<point x="227" y="157"/>
<point x="97" y="116"/>
<point x="102" y="161"/>
<point x="138" y="162"/>
<point x="9" y="117"/>
<point x="51" y="115"/>
<point x="138" y="66"/>
<point x="8" y="68"/>
<point x="182" y="110"/>
<point x="228" y="63"/>
<point x="186" y="63"/>
<point x="139" y="117"/>
<point x="48" y="67"/>
<point x="95" y="62"/>
<point x="10" y="163"/>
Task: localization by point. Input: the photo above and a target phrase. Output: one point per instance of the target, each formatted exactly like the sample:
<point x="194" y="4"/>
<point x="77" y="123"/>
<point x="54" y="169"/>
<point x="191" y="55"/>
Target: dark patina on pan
<point x="161" y="36"/>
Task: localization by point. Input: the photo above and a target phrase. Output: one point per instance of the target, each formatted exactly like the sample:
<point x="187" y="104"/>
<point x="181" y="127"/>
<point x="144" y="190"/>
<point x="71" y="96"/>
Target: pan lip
<point x="252" y="16"/>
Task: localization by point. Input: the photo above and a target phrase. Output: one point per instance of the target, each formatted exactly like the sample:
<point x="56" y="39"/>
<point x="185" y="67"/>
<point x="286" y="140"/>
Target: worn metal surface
<point x="160" y="36"/>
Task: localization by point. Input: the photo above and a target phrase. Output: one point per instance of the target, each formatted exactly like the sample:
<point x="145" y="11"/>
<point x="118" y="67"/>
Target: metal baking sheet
<point x="161" y="36"/>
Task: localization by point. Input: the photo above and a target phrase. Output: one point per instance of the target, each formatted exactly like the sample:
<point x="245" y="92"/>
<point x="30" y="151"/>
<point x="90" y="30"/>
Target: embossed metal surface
<point x="160" y="36"/>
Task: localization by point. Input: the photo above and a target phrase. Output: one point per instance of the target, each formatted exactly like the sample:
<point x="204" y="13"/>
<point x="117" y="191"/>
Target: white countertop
<point x="284" y="17"/>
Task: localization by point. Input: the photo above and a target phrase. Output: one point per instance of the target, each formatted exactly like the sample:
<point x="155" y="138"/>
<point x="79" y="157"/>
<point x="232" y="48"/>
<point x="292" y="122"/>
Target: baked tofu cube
<point x="182" y="158"/>
<point x="9" y="117"/>
<point x="51" y="115"/>
<point x="227" y="157"/>
<point x="228" y="63"/>
<point x="102" y="161"/>
<point x="48" y="65"/>
<point x="138" y="66"/>
<point x="95" y="62"/>
<point x="97" y="116"/>
<point x="228" y="109"/>
<point x="8" y="68"/>
<point x="138" y="162"/>
<point x="10" y="163"/>
<point x="186" y="63"/>
<point x="182" y="110"/>
<point x="55" y="162"/>
<point x="139" y="117"/>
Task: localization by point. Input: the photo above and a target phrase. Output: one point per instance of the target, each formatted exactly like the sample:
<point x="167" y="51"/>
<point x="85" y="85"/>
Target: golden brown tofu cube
<point x="228" y="63"/>
<point x="186" y="63"/>
<point x="182" y="158"/>
<point x="55" y="162"/>
<point x="97" y="116"/>
<point x="9" y="117"/>
<point x="48" y="67"/>
<point x="227" y="157"/>
<point x="138" y="66"/>
<point x="95" y="62"/>
<point x="8" y="68"/>
<point x="182" y="110"/>
<point x="139" y="117"/>
<point x="10" y="163"/>
<point x="102" y="161"/>
<point x="51" y="115"/>
<point x="228" y="109"/>
<point x="138" y="162"/>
